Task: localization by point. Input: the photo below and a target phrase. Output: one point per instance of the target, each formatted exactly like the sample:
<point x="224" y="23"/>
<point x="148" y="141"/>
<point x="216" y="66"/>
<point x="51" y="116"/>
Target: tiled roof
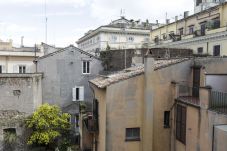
<point x="104" y="81"/>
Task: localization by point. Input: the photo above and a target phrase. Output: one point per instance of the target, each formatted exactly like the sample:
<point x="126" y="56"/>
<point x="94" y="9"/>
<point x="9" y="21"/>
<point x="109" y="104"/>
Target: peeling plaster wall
<point x="21" y="93"/>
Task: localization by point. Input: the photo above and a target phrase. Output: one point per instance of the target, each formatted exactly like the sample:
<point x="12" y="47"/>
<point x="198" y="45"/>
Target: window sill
<point x="166" y="126"/>
<point x="132" y="139"/>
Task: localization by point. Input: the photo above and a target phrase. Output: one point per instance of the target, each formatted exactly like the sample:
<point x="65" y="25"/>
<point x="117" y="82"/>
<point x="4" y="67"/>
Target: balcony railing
<point x="218" y="102"/>
<point x="188" y="94"/>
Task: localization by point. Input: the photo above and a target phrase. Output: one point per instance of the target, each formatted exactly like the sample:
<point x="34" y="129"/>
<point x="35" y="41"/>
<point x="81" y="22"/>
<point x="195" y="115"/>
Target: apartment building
<point x="205" y="31"/>
<point x="18" y="59"/>
<point x="176" y="104"/>
<point x="119" y="34"/>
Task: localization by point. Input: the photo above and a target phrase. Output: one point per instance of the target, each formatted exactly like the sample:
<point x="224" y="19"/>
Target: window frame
<point x="166" y="119"/>
<point x="22" y="70"/>
<point x="129" y="131"/>
<point x="219" y="50"/>
<point x="198" y="49"/>
<point x="181" y="121"/>
<point x="86" y="69"/>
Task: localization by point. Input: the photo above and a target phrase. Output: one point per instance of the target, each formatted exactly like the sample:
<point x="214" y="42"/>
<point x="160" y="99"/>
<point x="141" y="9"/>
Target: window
<point x="77" y="120"/>
<point x="130" y="39"/>
<point x="191" y="30"/>
<point x="132" y="134"/>
<point x="181" y="124"/>
<point x="113" y="38"/>
<point x="78" y="93"/>
<point x="200" y="50"/>
<point x="0" y="69"/>
<point x="198" y="2"/>
<point x="166" y="119"/>
<point x="22" y="69"/>
<point x="86" y="67"/>
<point x="203" y="28"/>
<point x="216" y="50"/>
<point x="181" y="31"/>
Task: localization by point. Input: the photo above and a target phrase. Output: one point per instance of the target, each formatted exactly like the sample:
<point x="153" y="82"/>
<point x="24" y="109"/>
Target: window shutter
<point x="74" y="94"/>
<point x="15" y="69"/>
<point x="3" y="69"/>
<point x="28" y="69"/>
<point x="81" y="93"/>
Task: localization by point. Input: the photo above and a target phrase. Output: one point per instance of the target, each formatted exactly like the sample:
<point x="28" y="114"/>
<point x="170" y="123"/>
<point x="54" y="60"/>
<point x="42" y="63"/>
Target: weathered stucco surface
<point x="63" y="71"/>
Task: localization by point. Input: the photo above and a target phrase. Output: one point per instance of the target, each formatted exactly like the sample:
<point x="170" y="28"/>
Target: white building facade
<point x="18" y="60"/>
<point x="119" y="34"/>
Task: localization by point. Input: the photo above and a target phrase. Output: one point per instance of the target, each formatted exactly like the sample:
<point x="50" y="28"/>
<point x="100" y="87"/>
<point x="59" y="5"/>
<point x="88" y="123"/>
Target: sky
<point x="68" y="20"/>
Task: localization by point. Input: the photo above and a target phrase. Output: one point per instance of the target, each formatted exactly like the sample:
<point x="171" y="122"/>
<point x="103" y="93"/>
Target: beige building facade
<point x="18" y="60"/>
<point x="166" y="105"/>
<point x="205" y="32"/>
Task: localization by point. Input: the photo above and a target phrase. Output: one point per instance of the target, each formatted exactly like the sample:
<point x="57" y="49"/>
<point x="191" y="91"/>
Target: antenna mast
<point x="45" y="11"/>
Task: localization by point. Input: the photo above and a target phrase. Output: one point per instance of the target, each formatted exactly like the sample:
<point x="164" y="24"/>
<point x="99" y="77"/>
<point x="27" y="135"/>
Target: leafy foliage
<point x="106" y="58"/>
<point x="47" y="122"/>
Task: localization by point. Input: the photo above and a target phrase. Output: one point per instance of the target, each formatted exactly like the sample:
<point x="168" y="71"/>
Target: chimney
<point x="157" y="22"/>
<point x="22" y="41"/>
<point x="167" y="21"/>
<point x="186" y="13"/>
<point x="176" y="18"/>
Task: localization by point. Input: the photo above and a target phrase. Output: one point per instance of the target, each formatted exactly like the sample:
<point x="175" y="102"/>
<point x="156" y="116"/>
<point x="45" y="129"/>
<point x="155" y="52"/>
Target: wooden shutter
<point x="183" y="124"/>
<point x="15" y="69"/>
<point x="3" y="69"/>
<point x="73" y="94"/>
<point x="81" y="94"/>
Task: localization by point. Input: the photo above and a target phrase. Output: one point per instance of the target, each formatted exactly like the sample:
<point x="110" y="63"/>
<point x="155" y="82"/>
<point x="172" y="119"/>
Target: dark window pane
<point x="132" y="134"/>
<point x="216" y="51"/>
<point x="84" y="67"/>
<point x="200" y="50"/>
<point x="166" y="119"/>
<point x="77" y="93"/>
<point x="0" y="69"/>
<point x="88" y="67"/>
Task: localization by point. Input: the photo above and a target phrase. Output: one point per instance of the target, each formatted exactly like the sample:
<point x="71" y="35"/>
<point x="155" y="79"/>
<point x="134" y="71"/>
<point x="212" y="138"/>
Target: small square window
<point x="132" y="134"/>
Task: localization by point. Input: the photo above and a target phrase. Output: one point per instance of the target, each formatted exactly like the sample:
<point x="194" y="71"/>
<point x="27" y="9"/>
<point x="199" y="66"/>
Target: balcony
<point x="91" y="125"/>
<point x="218" y="102"/>
<point x="187" y="94"/>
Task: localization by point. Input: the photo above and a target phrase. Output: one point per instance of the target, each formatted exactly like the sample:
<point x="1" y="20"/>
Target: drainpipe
<point x="207" y="47"/>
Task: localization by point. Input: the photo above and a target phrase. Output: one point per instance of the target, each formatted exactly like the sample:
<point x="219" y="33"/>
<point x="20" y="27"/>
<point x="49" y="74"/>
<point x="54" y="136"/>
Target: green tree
<point x="47" y="124"/>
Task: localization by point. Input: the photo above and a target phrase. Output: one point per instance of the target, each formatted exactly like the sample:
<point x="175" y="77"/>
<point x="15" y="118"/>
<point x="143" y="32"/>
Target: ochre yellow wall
<point x="100" y="95"/>
<point x="124" y="109"/>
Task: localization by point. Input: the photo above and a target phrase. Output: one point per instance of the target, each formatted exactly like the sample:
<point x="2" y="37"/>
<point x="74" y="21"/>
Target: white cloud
<point x="60" y="13"/>
<point x="145" y="9"/>
<point x="74" y="2"/>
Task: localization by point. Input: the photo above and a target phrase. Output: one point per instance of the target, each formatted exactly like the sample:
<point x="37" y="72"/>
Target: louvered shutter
<point x="73" y="94"/>
<point x="15" y="69"/>
<point x="81" y="94"/>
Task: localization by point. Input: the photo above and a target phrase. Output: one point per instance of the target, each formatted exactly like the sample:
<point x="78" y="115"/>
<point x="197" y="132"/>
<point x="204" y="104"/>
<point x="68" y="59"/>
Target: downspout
<point x="95" y="141"/>
<point x="207" y="47"/>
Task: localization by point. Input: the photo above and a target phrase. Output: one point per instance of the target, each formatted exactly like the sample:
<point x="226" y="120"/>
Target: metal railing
<point x="218" y="102"/>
